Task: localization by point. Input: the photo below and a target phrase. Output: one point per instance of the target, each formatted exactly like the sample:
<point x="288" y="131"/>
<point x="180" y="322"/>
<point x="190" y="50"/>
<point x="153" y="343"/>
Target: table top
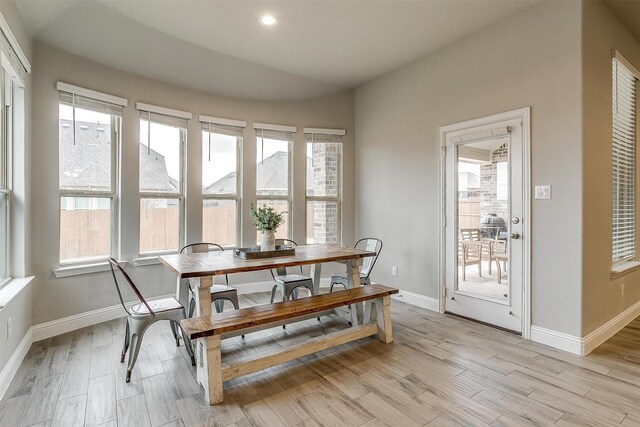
<point x="218" y="263"/>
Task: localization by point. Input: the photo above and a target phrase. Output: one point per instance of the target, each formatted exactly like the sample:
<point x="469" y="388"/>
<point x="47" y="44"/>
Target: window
<point x="273" y="171"/>
<point x="163" y="135"/>
<point x="625" y="84"/>
<point x="5" y="190"/>
<point x="221" y="180"/>
<point x="324" y="185"/>
<point x="89" y="139"/>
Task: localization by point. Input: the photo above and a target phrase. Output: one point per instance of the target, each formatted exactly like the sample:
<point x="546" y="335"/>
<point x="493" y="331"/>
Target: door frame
<point x="524" y="115"/>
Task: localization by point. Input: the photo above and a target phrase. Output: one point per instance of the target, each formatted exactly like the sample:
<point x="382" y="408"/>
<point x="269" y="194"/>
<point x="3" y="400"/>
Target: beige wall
<point x="19" y="309"/>
<point x="531" y="59"/>
<point x="57" y="298"/>
<point x="602" y="297"/>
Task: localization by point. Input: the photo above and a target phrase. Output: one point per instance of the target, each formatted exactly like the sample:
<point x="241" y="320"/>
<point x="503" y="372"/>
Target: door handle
<point x="515" y="236"/>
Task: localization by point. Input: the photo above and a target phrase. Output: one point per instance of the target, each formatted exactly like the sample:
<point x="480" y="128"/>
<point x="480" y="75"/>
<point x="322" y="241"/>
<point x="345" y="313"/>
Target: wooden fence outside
<point x="469" y="213"/>
<point x="86" y="233"/>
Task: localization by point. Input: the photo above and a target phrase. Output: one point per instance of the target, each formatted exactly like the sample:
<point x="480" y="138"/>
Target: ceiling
<point x="317" y="48"/>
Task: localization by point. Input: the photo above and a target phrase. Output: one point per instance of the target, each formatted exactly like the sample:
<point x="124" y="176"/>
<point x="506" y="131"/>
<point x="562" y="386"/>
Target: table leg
<point x="353" y="275"/>
<point x="178" y="288"/>
<point x="316" y="269"/>
<point x="208" y="351"/>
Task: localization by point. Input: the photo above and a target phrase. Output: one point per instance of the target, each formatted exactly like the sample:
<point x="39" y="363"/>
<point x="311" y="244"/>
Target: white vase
<point x="268" y="240"/>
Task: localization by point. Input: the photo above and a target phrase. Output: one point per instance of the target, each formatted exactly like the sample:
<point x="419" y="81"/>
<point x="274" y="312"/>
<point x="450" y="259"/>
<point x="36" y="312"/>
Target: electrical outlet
<point x="394" y="271"/>
<point x="9" y="328"/>
<point x="622" y="290"/>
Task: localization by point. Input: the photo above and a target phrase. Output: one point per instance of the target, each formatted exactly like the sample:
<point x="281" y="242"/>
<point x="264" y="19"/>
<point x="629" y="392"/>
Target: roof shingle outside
<point x="271" y="174"/>
<point x="87" y="165"/>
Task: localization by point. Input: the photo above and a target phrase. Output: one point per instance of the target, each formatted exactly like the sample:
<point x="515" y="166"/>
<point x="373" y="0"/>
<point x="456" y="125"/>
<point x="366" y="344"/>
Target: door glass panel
<point x="483" y="212"/>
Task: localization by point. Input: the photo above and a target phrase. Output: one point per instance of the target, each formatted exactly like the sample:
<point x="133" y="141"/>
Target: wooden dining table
<point x="204" y="266"/>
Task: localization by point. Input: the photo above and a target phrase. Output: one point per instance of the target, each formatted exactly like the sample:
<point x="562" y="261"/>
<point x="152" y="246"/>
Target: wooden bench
<point x="244" y="320"/>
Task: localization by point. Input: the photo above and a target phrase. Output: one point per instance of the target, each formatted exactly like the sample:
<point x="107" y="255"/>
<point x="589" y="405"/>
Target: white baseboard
<point x="71" y="323"/>
<point x="556" y="339"/>
<point x="609" y="329"/>
<point x="418" y="300"/>
<point x="14" y="362"/>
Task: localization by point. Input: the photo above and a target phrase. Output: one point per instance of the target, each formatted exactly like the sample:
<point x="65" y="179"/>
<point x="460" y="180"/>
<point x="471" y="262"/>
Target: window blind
<point x="163" y="119"/>
<point x="274" y="134"/>
<point x="163" y="115"/>
<point x="323" y="137"/>
<point x="222" y="129"/>
<point x="93" y="104"/>
<point x="624" y="107"/>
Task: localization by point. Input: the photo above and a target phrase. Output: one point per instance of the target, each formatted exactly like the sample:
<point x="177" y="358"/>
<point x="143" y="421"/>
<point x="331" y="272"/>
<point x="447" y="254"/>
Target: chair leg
<point x="136" y="340"/>
<point x="234" y="301"/>
<point x="273" y="293"/>
<point x="174" y="330"/>
<point x="175" y="327"/>
<point x="192" y="306"/>
<point x="126" y="342"/>
<point x="189" y="345"/>
<point x="236" y="304"/>
<point x="219" y="305"/>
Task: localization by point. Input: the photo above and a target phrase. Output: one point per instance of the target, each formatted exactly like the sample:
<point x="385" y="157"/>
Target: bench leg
<point x="213" y="390"/>
<point x="383" y="312"/>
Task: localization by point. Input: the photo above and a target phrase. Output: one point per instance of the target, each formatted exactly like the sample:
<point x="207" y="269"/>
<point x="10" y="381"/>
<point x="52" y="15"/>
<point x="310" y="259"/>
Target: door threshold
<point x="484" y="323"/>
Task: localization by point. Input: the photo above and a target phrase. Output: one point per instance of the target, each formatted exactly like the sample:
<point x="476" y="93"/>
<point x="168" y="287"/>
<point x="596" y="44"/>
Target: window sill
<point x="11" y="289"/>
<point x="148" y="260"/>
<point x="625" y="268"/>
<point x="77" y="270"/>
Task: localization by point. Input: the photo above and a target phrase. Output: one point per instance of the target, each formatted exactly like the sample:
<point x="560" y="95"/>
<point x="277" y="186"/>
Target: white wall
<point x="531" y="59"/>
<point x="603" y="297"/>
<point x="57" y="298"/>
<point x="19" y="308"/>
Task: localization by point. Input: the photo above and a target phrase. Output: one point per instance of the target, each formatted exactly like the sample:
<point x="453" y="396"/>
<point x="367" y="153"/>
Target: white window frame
<point x="258" y="127"/>
<point x="5" y="158"/>
<point x="338" y="197"/>
<point x="239" y="175"/>
<point x="180" y="195"/>
<point x="113" y="195"/>
<point x="620" y="265"/>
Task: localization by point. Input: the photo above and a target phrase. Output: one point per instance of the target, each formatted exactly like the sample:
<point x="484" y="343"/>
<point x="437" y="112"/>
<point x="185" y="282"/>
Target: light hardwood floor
<point x="441" y="371"/>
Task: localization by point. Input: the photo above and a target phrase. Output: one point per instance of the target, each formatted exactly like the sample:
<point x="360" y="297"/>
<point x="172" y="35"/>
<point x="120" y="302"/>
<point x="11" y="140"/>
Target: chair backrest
<point x="472" y="234"/>
<point x="203" y="248"/>
<point x="282" y="271"/>
<point x="115" y="266"/>
<point x="369" y="244"/>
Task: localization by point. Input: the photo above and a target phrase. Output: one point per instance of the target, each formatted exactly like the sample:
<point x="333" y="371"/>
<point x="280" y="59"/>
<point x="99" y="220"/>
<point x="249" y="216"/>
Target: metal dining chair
<point x="145" y="314"/>
<point x="219" y="293"/>
<point x="367" y="244"/>
<point x="287" y="282"/>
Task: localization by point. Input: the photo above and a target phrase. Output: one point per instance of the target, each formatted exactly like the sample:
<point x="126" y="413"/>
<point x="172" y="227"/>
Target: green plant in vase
<point x="266" y="220"/>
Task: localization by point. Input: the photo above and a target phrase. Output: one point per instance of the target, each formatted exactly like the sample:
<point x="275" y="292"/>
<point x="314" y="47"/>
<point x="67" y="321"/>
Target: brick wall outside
<point x="326" y="158"/>
<point x="488" y="186"/>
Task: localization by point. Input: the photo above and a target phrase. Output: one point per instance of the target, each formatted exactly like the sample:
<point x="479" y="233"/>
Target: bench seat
<point x="236" y="321"/>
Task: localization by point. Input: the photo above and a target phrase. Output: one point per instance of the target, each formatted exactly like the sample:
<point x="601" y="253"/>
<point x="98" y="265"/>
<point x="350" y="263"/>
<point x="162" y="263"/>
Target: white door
<point x="484" y="221"/>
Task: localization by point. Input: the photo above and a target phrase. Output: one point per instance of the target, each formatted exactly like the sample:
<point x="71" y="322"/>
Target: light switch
<point x="543" y="192"/>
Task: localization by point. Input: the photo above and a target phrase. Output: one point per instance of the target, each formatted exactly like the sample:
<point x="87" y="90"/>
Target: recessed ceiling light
<point x="268" y="20"/>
